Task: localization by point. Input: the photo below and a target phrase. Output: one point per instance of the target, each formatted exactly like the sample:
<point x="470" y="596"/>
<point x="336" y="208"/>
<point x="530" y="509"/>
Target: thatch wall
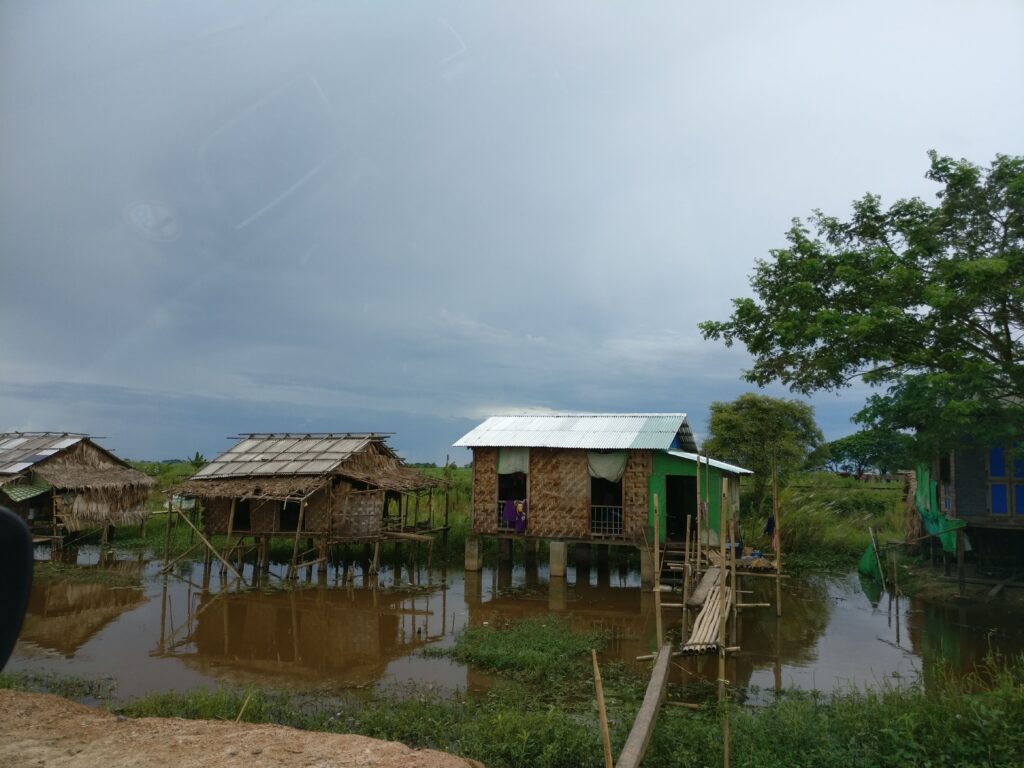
<point x="559" y="493"/>
<point x="92" y="488"/>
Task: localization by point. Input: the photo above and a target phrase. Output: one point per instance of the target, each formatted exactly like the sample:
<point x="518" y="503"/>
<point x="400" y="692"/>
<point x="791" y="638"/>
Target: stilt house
<point x="983" y="487"/>
<point x="592" y="477"/>
<point x="68" y="482"/>
<point x="332" y="487"/>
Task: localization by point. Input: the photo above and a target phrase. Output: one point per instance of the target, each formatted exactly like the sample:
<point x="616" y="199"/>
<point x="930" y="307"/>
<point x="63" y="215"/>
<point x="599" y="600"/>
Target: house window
<point x="511" y="489"/>
<point x="605" y="507"/>
<point x="1005" y="482"/>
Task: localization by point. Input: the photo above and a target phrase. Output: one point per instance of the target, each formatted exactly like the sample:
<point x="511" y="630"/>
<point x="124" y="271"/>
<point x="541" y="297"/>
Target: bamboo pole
<point x="659" y="627"/>
<point x="606" y="740"/>
<point x="686" y="577"/>
<point x="776" y="510"/>
<point x="211" y="548"/>
<point x="167" y="530"/>
<point x="722" y="512"/>
<point x="699" y="510"/>
<point x="292" y="569"/>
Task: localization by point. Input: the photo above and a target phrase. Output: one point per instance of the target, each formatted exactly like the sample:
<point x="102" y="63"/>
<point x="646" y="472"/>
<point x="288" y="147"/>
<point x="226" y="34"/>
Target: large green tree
<point x="881" y="449"/>
<point x="924" y="301"/>
<point x="755" y="430"/>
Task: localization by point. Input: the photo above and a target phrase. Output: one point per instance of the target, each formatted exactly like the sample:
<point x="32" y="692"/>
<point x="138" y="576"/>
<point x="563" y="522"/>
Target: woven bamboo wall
<point x="485" y="490"/>
<point x="639" y="466"/>
<point x="361" y="515"/>
<point x="264" y="515"/>
<point x="215" y="515"/>
<point x="317" y="518"/>
<point x="559" y="494"/>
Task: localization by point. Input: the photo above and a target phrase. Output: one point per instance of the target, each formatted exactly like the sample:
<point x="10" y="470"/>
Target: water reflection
<point x="345" y="628"/>
<point x="62" y="616"/>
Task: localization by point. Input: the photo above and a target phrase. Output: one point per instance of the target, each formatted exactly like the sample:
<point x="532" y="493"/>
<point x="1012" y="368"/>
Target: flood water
<point x="350" y="632"/>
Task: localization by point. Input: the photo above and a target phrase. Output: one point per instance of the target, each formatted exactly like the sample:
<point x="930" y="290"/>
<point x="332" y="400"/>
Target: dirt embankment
<point x="42" y="730"/>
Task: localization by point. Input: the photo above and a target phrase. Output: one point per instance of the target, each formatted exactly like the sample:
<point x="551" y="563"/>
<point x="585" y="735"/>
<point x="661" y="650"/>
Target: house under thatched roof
<point x="333" y="485"/>
<point x="69" y="479"/>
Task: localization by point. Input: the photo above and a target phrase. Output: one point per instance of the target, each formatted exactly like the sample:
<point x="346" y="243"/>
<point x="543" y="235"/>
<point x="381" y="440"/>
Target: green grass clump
<point x="52" y="571"/>
<point x="68" y="686"/>
<point x="540" y="650"/>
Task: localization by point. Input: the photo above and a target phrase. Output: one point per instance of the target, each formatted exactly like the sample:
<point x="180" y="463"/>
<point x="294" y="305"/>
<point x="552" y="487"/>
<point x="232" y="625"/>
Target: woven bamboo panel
<point x="485" y="490"/>
<point x="362" y="515"/>
<point x="215" y="515"/>
<point x="264" y="515"/>
<point x="317" y="517"/>
<point x="559" y="494"/>
<point x="639" y="466"/>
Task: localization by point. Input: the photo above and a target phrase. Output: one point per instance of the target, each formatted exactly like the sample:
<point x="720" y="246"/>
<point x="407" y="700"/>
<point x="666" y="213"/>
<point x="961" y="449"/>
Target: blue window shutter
<point x="999" y="499"/>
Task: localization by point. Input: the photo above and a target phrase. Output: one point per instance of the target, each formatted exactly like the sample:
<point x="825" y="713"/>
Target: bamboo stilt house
<point x="590" y="476"/>
<point x="333" y="487"/>
<point x="68" y="481"/>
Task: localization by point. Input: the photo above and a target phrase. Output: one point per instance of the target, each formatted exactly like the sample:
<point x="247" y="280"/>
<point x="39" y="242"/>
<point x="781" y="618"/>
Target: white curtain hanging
<point x="512" y="460"/>
<point x="608" y="466"/>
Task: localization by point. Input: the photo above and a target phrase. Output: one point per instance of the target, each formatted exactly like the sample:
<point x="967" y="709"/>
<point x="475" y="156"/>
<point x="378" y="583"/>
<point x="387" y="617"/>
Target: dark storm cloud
<point x="217" y="217"/>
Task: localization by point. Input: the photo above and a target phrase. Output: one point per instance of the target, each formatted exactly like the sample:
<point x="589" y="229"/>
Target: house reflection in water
<point x="64" y="615"/>
<point x="339" y="636"/>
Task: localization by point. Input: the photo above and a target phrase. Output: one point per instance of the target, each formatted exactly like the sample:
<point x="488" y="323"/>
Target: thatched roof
<point x="81" y="478"/>
<point x="256" y="487"/>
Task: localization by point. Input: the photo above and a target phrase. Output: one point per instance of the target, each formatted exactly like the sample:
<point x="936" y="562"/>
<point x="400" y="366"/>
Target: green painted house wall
<point x="664" y="465"/>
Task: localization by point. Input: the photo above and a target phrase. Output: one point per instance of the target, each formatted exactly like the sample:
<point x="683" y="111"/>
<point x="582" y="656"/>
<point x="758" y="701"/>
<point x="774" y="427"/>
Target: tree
<point x="925" y="301"/>
<point x="198" y="461"/>
<point x="879" y="449"/>
<point x="753" y="429"/>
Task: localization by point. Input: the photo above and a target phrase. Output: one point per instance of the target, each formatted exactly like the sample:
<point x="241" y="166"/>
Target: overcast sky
<point x="223" y="217"/>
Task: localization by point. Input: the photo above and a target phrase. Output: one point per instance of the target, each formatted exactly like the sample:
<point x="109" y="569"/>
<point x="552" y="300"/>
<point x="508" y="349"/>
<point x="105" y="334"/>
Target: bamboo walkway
<point x="704" y="637"/>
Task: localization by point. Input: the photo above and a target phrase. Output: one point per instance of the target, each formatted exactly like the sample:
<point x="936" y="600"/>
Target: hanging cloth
<point x="610" y="466"/>
<point x="512" y="460"/>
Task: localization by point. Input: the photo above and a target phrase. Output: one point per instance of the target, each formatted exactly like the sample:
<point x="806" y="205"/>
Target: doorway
<point x="680" y="503"/>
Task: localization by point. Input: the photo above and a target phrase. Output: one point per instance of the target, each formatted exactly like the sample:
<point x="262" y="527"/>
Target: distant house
<point x="592" y="477"/>
<point x="68" y="482"/>
<point x="329" y="487"/>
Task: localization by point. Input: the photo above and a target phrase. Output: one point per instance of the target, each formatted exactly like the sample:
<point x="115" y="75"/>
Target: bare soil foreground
<point x="38" y="729"/>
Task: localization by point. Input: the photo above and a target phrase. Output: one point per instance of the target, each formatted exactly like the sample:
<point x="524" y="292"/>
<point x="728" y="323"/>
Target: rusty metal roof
<point x="21" y="450"/>
<point x="287" y="454"/>
<point x="593" y="431"/>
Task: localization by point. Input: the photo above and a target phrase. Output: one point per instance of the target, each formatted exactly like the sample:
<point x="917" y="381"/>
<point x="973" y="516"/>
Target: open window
<point x="513" y="488"/>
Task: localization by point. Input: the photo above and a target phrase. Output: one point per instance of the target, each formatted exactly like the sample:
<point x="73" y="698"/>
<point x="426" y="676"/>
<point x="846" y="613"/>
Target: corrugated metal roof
<point x="713" y="462"/>
<point x="23" y="491"/>
<point x="595" y="431"/>
<point x="20" y="450"/>
<point x="286" y="454"/>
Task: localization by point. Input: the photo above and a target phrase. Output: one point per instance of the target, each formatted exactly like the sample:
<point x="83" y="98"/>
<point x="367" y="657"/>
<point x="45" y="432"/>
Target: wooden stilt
<point x="606" y="740"/>
<point x="776" y="511"/>
<point x="167" y="530"/>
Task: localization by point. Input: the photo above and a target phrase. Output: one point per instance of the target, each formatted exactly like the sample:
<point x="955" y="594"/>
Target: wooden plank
<point x="640" y="735"/>
<point x="700" y="594"/>
<point x="999" y="587"/>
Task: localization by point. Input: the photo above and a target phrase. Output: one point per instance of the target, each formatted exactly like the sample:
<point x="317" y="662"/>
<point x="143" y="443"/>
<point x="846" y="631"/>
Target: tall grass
<point x="825" y="519"/>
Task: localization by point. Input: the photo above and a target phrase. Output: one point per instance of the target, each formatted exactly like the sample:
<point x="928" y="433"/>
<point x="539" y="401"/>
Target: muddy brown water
<point x="346" y="631"/>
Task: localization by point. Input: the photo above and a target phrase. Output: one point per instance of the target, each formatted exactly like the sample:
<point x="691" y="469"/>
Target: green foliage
<point x="926" y="300"/>
<point x="198" y="461"/>
<point x="68" y="686"/>
<point x="973" y="721"/>
<point x="880" y="449"/>
<point x="541" y="650"/>
<point x="167" y="474"/>
<point x="825" y="519"/>
<point x="753" y="429"/>
<point x="51" y="571"/>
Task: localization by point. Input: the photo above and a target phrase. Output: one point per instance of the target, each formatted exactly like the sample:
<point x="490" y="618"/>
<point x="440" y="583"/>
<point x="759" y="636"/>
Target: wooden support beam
<point x="210" y="547"/>
<point x="640" y="735"/>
